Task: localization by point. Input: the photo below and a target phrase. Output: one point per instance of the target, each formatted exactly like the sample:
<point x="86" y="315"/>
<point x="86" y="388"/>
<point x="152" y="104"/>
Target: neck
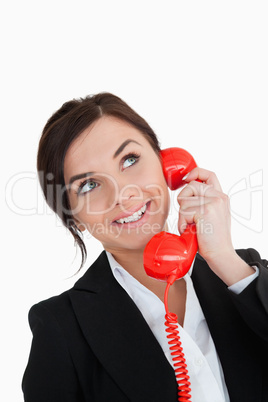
<point x="132" y="262"/>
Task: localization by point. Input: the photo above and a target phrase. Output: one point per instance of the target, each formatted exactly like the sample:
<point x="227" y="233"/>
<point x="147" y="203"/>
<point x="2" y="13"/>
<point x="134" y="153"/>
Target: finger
<point x="189" y="202"/>
<point x="196" y="189"/>
<point x="187" y="218"/>
<point x="206" y="176"/>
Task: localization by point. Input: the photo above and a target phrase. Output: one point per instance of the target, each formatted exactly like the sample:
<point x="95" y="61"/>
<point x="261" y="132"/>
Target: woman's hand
<point x="208" y="207"/>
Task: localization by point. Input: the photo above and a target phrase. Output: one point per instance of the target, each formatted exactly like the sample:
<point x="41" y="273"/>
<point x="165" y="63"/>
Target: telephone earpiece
<point x="168" y="257"/>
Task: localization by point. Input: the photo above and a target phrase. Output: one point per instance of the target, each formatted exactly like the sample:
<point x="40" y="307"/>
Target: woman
<point x="104" y="339"/>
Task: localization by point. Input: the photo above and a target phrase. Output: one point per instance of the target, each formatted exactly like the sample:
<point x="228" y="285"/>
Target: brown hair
<point x="63" y="127"/>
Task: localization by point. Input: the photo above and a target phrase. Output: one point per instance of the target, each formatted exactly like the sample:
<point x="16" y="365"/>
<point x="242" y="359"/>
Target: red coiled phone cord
<point x="179" y="364"/>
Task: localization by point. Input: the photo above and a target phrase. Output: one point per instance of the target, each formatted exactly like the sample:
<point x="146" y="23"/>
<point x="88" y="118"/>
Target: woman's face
<point x="115" y="184"/>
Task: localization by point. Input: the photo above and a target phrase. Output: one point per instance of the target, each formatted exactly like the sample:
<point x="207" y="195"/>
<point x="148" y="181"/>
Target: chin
<point x="139" y="240"/>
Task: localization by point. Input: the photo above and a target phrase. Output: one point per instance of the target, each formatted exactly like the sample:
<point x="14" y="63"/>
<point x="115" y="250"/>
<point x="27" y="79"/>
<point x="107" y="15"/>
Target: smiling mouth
<point x="135" y="217"/>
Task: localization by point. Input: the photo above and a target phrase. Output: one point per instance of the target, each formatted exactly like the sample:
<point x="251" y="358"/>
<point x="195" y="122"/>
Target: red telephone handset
<point x="168" y="257"/>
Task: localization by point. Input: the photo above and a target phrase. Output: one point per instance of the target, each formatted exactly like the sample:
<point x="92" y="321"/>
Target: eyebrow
<point x="80" y="176"/>
<point x="122" y="146"/>
<point x="117" y="152"/>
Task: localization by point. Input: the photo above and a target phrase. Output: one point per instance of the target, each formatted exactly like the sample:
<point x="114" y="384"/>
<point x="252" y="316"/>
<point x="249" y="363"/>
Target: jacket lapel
<point x="120" y="337"/>
<point x="230" y="333"/>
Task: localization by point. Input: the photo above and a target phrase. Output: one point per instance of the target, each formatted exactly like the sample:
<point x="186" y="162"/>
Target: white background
<point x="195" y="70"/>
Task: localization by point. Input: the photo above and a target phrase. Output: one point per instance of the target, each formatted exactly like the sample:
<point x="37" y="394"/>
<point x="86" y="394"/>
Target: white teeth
<point x="143" y="209"/>
<point x="133" y="218"/>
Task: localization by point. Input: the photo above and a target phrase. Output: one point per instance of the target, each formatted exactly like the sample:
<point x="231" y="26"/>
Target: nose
<point x="122" y="192"/>
<point x="128" y="192"/>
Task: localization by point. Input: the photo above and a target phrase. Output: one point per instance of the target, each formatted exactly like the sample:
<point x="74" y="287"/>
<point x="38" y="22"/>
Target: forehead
<point x="103" y="134"/>
<point x="99" y="141"/>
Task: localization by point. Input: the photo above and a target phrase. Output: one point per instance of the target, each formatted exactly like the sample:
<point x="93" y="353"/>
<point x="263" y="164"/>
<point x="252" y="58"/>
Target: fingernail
<point x="185" y="177"/>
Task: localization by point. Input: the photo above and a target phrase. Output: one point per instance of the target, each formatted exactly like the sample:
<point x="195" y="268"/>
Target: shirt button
<point x="199" y="361"/>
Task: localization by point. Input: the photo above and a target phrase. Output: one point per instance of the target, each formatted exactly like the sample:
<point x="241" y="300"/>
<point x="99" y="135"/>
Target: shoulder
<point x="95" y="277"/>
<point x="50" y="311"/>
<point x="250" y="255"/>
<point x="202" y="274"/>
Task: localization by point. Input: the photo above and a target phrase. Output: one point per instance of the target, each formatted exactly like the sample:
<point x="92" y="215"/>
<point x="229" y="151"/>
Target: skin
<point x="123" y="184"/>
<point x="206" y="205"/>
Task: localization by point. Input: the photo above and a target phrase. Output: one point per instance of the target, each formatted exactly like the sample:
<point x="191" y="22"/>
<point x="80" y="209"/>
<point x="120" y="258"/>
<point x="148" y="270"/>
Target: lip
<point x="131" y="212"/>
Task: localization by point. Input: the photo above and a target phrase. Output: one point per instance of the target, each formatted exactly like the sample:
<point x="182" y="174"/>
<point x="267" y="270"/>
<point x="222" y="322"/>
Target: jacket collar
<point x="120" y="337"/>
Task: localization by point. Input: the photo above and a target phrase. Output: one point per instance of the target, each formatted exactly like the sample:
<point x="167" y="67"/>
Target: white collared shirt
<point x="204" y="367"/>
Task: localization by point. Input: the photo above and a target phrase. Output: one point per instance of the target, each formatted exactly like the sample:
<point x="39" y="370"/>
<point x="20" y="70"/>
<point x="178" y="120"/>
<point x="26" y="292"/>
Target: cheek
<point x="154" y="179"/>
<point x="150" y="172"/>
<point x="156" y="186"/>
<point x="87" y="208"/>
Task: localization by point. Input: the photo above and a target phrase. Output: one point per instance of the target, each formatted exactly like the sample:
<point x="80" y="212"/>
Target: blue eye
<point x="129" y="160"/>
<point x="87" y="187"/>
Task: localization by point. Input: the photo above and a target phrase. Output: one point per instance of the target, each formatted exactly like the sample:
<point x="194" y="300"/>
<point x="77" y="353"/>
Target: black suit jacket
<point x="91" y="343"/>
